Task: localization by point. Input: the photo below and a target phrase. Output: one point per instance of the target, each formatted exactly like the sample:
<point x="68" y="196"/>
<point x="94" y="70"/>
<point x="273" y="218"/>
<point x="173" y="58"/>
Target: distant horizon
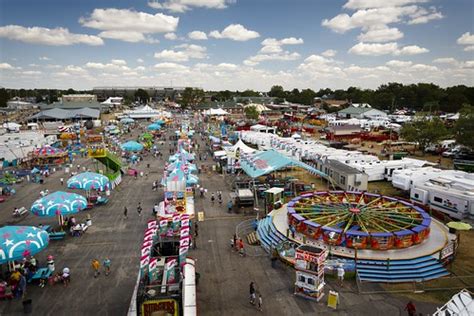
<point x="217" y="45"/>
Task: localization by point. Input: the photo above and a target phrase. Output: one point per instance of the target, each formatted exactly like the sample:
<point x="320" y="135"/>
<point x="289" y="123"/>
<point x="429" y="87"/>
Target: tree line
<point x="418" y="97"/>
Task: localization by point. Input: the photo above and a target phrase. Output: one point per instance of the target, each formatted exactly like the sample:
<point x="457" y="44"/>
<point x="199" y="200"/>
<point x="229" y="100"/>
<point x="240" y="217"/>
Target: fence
<point x="242" y="230"/>
<point x="440" y="284"/>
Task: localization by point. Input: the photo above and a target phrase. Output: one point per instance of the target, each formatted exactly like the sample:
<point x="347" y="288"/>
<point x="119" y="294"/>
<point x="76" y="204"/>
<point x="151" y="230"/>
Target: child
<point x="259" y="302"/>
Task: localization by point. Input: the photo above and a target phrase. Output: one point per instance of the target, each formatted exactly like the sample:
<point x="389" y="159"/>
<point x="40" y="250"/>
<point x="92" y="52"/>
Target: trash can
<point x="27" y="306"/>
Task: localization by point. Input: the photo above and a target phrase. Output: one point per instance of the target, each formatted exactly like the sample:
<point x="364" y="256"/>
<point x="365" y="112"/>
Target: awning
<point x="220" y="153"/>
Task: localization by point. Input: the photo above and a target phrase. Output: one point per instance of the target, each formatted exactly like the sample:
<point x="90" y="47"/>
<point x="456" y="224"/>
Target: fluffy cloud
<point x="446" y="60"/>
<point x="236" y="32"/>
<point x="171" y="36"/>
<point x="374" y="14"/>
<point x="128" y="36"/>
<point x="383" y="34"/>
<point x="365" y="4"/>
<point x="197" y="35"/>
<point x="255" y="60"/>
<point x="411" y="50"/>
<point x="329" y="53"/>
<point x="398" y="63"/>
<point x="184" y="53"/>
<point x="467" y="39"/>
<point x="139" y="60"/>
<point x="170" y="67"/>
<point x="119" y="62"/>
<point x="376" y="49"/>
<point x="128" y="25"/>
<point x="6" y="66"/>
<point x="44" y="58"/>
<point x="185" y="5"/>
<point x="41" y="35"/>
<point x="373" y="49"/>
<point x="115" y="65"/>
<point x="31" y="73"/>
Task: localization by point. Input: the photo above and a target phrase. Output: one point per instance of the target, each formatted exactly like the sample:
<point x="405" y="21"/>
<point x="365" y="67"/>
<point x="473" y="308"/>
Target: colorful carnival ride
<point x="359" y="220"/>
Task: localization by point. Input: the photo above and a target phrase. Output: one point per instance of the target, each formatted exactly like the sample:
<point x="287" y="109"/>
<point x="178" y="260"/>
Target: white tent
<point x="242" y="147"/>
<point x="259" y="107"/>
<point x="215" y="112"/>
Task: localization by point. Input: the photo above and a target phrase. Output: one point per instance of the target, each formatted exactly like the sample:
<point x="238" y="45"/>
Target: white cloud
<point x="422" y="67"/>
<point x="285" y="56"/>
<point x="466" y="39"/>
<point x="365" y="4"/>
<point x="44" y="58"/>
<point x="236" y="32"/>
<point x="411" y="50"/>
<point x="376" y="49"/>
<point x="171" y="36"/>
<point x="128" y="25"/>
<point x="6" y="66"/>
<point x="379" y="14"/>
<point x="469" y="64"/>
<point x="166" y="67"/>
<point x="140" y="68"/>
<point x="139" y="60"/>
<point x="41" y="35"/>
<point x="469" y="48"/>
<point x="383" y="34"/>
<point x="329" y="53"/>
<point x="274" y="46"/>
<point x="373" y="49"/>
<point x="31" y="73"/>
<point x="113" y="67"/>
<point x="398" y="63"/>
<point x="185" y="5"/>
<point x="119" y="62"/>
<point x="128" y="36"/>
<point x="75" y="70"/>
<point x="197" y="35"/>
<point x="185" y="52"/>
<point x="446" y="60"/>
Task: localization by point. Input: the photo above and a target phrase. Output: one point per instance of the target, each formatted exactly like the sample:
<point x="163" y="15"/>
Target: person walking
<point x="410" y="308"/>
<point x="229" y="206"/>
<point x="213" y="198"/>
<point x="62" y="181"/>
<point x="340" y="274"/>
<point x="95" y="267"/>
<point x="241" y="248"/>
<point x="139" y="209"/>
<point x="259" y="302"/>
<point x="252" y="293"/>
<point x="106" y="264"/>
<point x="125" y="212"/>
<point x="196" y="229"/>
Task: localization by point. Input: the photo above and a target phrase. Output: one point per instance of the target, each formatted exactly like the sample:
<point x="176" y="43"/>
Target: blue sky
<point x="235" y="44"/>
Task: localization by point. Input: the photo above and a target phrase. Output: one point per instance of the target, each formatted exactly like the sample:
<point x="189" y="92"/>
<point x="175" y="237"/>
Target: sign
<point x="169" y="306"/>
<point x="333" y="299"/>
<point x="201" y="216"/>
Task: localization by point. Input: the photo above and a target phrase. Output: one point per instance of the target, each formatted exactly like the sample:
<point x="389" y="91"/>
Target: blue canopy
<point x="154" y="127"/>
<point x="59" y="203"/>
<point x="88" y="181"/>
<point x="180" y="164"/>
<point x="268" y="161"/>
<point x="159" y="122"/>
<point x="18" y="242"/>
<point x="132" y="146"/>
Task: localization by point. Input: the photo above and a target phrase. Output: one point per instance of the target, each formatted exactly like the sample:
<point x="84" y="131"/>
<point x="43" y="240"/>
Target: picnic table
<point x="42" y="273"/>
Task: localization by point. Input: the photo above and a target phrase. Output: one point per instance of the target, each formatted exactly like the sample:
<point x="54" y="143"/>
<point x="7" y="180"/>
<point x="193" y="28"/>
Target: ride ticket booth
<point x="273" y="199"/>
<point x="309" y="265"/>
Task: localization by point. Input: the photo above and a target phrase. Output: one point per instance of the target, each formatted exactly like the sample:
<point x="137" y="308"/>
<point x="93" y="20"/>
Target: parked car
<point x="452" y="152"/>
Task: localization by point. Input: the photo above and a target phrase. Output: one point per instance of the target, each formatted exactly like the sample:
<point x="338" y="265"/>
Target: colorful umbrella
<point x="88" y="181"/>
<point x="59" y="203"/>
<point x="132" y="146"/>
<point x="159" y="122"/>
<point x="459" y="225"/>
<point x="147" y="136"/>
<point x="154" y="127"/>
<point x="18" y="242"/>
<point x="47" y="151"/>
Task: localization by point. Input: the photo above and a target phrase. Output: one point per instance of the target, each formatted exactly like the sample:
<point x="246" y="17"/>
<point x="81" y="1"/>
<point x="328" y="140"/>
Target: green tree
<point x="191" y="97"/>
<point x="4" y="97"/>
<point x="464" y="127"/>
<point x="141" y="96"/>
<point x="251" y="112"/>
<point x="424" y="131"/>
<point x="277" y="92"/>
<point x="250" y="93"/>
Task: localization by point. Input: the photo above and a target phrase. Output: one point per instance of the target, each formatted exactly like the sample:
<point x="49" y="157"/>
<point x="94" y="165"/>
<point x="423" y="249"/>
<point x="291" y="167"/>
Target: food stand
<point x="309" y="265"/>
